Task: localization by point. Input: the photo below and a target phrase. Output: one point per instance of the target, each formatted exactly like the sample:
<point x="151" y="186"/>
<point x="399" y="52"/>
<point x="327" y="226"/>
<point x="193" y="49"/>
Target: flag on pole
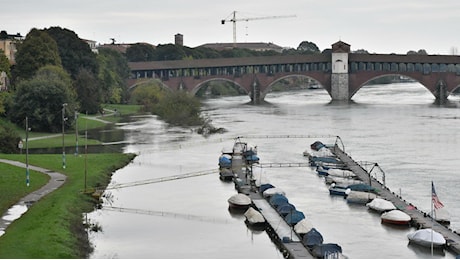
<point x="434" y="198"/>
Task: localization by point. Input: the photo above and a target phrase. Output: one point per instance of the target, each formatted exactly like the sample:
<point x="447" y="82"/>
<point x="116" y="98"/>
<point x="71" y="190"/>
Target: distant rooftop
<point x="255" y="46"/>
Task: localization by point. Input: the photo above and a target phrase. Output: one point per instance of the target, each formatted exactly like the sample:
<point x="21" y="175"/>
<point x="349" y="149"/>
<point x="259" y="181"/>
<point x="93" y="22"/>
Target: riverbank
<point x="54" y="226"/>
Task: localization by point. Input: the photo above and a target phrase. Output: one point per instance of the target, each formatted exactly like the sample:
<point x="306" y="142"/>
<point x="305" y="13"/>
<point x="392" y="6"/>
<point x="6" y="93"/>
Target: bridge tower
<point x="339" y="76"/>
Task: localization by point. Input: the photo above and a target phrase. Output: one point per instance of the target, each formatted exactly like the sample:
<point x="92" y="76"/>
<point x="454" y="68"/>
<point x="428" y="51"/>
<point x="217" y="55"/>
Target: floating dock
<point x="419" y="218"/>
<point x="283" y="235"/>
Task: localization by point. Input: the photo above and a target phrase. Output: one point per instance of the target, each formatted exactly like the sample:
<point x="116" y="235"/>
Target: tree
<point x="74" y="52"/>
<point x="41" y="99"/>
<point x="37" y="50"/>
<point x="113" y="70"/>
<point x="170" y="52"/>
<point x="5" y="65"/>
<point x="140" y="52"/>
<point x="88" y="92"/>
<point x="307" y="47"/>
<point x="179" y="108"/>
<point x="148" y="95"/>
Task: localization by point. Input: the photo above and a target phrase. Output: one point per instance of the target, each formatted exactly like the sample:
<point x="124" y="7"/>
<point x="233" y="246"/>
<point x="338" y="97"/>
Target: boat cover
<point x="294" y="217"/>
<point x="266" y="186"/>
<point x="285" y="209"/>
<point x="326" y="251"/>
<point x="317" y="145"/>
<point x="240" y="199"/>
<point x="360" y="197"/>
<point x="254" y="216"/>
<point x="303" y="226"/>
<point x="272" y="191"/>
<point x="225" y="160"/>
<point x="425" y="236"/>
<point x="395" y="215"/>
<point x="277" y="200"/>
<point x="311" y="238"/>
<point x="362" y="187"/>
<point x="381" y="205"/>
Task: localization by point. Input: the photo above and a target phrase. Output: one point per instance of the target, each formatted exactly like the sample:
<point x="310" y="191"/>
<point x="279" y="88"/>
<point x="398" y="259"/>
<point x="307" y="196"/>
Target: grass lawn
<point x="53" y="227"/>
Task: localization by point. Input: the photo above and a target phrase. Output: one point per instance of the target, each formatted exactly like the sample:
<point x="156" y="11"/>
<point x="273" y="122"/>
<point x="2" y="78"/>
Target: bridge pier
<point x="255" y="92"/>
<point x="441" y="92"/>
<point x="340" y="72"/>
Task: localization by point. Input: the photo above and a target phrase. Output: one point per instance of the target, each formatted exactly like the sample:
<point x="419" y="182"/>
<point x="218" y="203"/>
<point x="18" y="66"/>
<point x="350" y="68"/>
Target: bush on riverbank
<point x="180" y="109"/>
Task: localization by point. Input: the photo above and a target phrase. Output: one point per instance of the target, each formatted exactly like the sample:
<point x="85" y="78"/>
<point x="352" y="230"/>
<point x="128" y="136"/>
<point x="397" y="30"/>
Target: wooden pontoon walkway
<point x="419" y="218"/>
<point x="278" y="229"/>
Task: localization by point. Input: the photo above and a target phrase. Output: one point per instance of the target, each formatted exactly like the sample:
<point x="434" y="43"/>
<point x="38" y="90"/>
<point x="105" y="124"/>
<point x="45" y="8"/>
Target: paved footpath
<point x="56" y="180"/>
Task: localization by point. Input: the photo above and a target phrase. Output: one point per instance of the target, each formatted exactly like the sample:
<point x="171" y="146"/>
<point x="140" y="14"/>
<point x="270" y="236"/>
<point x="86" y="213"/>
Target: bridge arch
<point x="198" y="86"/>
<point x="161" y="84"/>
<point x="281" y="77"/>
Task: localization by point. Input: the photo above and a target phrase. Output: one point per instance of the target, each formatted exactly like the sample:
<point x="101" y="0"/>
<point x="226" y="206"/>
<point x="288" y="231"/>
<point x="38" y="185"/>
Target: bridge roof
<point x="399" y="58"/>
<point x="228" y="62"/>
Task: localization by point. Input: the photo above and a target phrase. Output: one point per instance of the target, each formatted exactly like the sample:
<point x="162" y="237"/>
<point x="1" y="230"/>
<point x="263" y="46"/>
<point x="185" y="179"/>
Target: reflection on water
<point x="397" y="125"/>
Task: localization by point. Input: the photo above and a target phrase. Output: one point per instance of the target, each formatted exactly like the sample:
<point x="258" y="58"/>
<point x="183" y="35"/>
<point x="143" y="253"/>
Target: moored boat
<point x="338" y="190"/>
<point x="396" y="217"/>
<point x="360" y="197"/>
<point x="381" y="205"/>
<point x="254" y="219"/>
<point x="239" y="201"/>
<point x="427" y="237"/>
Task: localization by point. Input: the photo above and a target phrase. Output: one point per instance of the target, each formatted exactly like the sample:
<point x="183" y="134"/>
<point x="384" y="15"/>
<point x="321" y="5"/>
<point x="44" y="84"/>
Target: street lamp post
<point x="63" y="123"/>
<point x="27" y="153"/>
<point x="76" y="132"/>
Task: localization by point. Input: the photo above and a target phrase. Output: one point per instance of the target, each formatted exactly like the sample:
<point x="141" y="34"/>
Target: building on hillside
<point x="8" y="45"/>
<point x="179" y="39"/>
<point x="255" y="46"/>
<point x="92" y="45"/>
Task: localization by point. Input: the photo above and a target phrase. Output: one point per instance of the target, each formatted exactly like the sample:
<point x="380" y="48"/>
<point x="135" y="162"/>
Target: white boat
<point x="254" y="218"/>
<point x="360" y="197"/>
<point x="272" y="191"/>
<point x="396" y="217"/>
<point x="303" y="226"/>
<point x="427" y="237"/>
<point x="239" y="201"/>
<point x="381" y="205"/>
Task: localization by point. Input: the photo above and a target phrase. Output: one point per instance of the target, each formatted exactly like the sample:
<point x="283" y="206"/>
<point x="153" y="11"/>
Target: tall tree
<point x="307" y="47"/>
<point x="140" y="52"/>
<point x="113" y="70"/>
<point x="74" y="52"/>
<point x="37" y="50"/>
<point x="41" y="99"/>
<point x="88" y="91"/>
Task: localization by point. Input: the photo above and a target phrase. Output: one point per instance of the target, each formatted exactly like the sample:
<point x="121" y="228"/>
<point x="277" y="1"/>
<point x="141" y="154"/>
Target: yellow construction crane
<point x="233" y="19"/>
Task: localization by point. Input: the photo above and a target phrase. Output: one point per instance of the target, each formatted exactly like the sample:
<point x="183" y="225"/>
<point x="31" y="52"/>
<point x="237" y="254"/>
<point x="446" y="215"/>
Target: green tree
<point x="5" y="64"/>
<point x="307" y="47"/>
<point x="10" y="138"/>
<point x="37" y="50"/>
<point x="179" y="108"/>
<point x="170" y="52"/>
<point x="147" y="95"/>
<point x="88" y="92"/>
<point x="41" y="99"/>
<point x="113" y="70"/>
<point x="140" y="52"/>
<point x="74" y="52"/>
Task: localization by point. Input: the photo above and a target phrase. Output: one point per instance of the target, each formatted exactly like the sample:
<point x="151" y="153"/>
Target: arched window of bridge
<point x="410" y="67"/>
<point x="418" y="67"/>
<point x="361" y="66"/>
<point x="402" y="67"/>
<point x="378" y="66"/>
<point x="370" y="66"/>
<point x="443" y="67"/>
<point x="353" y="66"/>
<point x="451" y="68"/>
<point x="435" y="67"/>
<point x="426" y="68"/>
<point x="458" y="69"/>
<point x="386" y="66"/>
<point x="394" y="66"/>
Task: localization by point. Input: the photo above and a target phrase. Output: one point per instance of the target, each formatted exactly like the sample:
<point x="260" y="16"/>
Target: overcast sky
<point x="378" y="26"/>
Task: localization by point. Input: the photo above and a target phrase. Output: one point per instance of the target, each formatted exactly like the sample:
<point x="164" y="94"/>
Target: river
<point x="397" y="126"/>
